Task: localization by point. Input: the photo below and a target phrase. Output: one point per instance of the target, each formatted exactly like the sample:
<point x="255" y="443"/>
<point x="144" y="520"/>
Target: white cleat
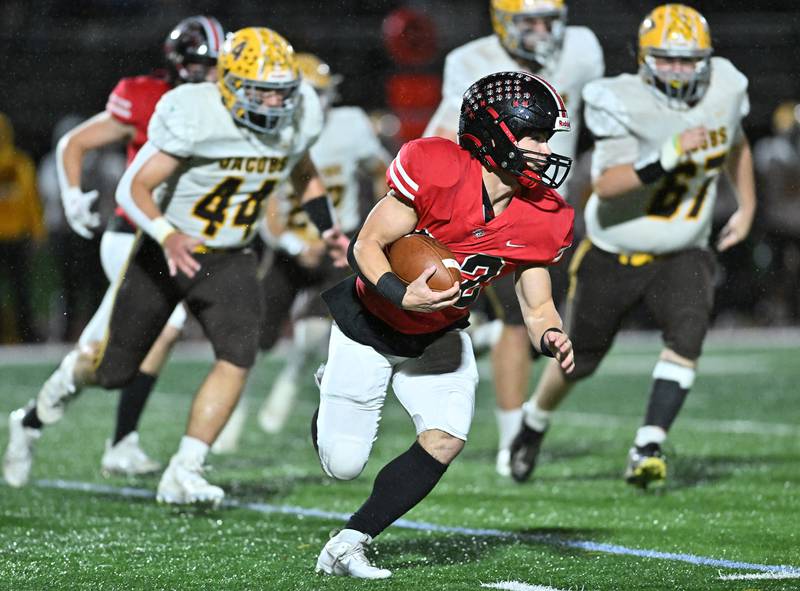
<point x="227" y="441"/>
<point x="343" y="556"/>
<point x="503" y="463"/>
<point x="18" y="459"/>
<point x="127" y="458"/>
<point x="183" y="484"/>
<point x="57" y="391"/>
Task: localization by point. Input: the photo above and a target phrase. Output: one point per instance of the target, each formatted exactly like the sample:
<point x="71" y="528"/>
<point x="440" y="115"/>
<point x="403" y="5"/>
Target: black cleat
<point x="646" y="466"/>
<point x="524" y="451"/>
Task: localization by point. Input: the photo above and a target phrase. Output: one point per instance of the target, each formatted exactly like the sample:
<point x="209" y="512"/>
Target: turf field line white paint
<point x="517" y="586"/>
<point x="548" y="539"/>
<point x="759" y="576"/>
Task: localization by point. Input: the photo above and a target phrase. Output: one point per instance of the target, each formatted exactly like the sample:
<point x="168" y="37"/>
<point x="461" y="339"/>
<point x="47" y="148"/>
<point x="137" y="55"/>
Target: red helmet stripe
<point x="213" y="32"/>
<point x="553" y="91"/>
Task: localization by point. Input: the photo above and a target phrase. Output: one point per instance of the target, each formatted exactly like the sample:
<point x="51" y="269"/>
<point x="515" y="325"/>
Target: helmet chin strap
<point x="529" y="179"/>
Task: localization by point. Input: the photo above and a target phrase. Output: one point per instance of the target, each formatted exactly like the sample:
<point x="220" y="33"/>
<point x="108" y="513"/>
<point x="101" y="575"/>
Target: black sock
<point x="666" y="399"/>
<point x="131" y="404"/>
<point x="399" y="486"/>
<point x="31" y="419"/>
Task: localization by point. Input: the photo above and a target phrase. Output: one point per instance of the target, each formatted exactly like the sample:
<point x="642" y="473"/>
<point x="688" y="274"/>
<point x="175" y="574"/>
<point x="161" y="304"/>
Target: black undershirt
<point x="488" y="209"/>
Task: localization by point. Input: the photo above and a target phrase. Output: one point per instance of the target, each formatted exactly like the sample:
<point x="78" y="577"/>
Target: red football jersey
<point x="444" y="185"/>
<point x="133" y="102"/>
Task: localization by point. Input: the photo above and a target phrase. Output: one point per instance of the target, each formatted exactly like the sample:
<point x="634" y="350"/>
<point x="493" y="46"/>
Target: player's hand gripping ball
<point x="410" y="255"/>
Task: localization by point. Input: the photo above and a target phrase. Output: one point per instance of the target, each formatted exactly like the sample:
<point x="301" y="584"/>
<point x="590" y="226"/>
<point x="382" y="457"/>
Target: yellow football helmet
<point x="318" y="74"/>
<point x="676" y="31"/>
<point x="786" y="117"/>
<point x="520" y="38"/>
<point x="259" y="79"/>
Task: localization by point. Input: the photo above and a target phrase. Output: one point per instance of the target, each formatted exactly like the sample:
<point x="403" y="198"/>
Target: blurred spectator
<point x="82" y="280"/>
<point x="20" y="225"/>
<point x="777" y="162"/>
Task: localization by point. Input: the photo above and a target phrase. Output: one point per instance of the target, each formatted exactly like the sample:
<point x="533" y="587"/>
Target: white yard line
<point x="546" y="539"/>
<point x="517" y="586"/>
<point x="759" y="576"/>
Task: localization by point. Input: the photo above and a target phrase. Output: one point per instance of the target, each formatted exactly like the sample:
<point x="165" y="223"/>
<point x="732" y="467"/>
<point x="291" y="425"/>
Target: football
<point x="410" y="255"/>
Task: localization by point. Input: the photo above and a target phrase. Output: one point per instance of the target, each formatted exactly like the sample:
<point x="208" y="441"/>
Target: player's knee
<point x="343" y="458"/>
<point x="442" y="446"/>
<point x="239" y="352"/>
<point x="687" y="336"/>
<point x="112" y="376"/>
<point x="585" y="365"/>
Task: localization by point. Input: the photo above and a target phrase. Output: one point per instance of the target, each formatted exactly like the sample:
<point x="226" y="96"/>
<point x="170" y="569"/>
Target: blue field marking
<point x="587" y="545"/>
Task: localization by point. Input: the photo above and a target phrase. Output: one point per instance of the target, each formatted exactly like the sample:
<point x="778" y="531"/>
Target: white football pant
<point x="437" y="390"/>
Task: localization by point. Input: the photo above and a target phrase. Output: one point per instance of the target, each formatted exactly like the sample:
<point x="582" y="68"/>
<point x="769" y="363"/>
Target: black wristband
<point x="543" y="348"/>
<point x="392" y="288"/>
<point x="319" y="212"/>
<point x="650" y="173"/>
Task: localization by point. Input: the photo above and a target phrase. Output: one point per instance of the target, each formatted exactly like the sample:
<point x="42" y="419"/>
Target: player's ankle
<point x="535" y="417"/>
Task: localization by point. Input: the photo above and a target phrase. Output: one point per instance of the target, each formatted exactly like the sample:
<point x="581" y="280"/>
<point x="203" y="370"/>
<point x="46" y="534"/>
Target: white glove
<point x="671" y="153"/>
<point x="78" y="210"/>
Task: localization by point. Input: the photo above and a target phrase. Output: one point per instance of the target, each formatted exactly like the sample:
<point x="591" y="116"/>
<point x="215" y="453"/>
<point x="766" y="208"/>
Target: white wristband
<point x="291" y="243"/>
<point x="670" y="153"/>
<point x="160" y="228"/>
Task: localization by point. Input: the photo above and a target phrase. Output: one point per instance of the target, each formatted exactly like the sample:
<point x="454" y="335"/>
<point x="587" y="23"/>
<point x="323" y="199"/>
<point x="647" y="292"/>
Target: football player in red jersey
<point x="191" y="53"/>
<point x="491" y="200"/>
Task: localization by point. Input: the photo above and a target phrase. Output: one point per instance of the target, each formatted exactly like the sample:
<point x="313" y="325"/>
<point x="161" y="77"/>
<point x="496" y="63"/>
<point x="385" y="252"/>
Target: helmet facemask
<point x="531" y="167"/>
<point x="250" y="109"/>
<point x="535" y="37"/>
<point x="682" y="84"/>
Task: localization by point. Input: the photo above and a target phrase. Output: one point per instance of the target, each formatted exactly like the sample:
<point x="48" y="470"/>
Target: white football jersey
<point x="631" y="122"/>
<point x="579" y="62"/>
<point x="347" y="142"/>
<point x="227" y="171"/>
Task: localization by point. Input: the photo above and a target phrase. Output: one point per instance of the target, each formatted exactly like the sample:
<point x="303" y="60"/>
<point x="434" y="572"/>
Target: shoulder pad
<point x="425" y="164"/>
<point x="309" y="118"/>
<point x="174" y="126"/>
<point x="728" y="74"/>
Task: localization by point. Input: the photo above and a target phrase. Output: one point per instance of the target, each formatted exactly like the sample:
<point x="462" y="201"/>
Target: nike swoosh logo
<point x="512" y="245"/>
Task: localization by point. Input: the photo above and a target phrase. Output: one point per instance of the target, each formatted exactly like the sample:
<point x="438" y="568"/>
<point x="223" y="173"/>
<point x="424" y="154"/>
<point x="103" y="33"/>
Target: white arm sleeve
<point x="123" y="194"/>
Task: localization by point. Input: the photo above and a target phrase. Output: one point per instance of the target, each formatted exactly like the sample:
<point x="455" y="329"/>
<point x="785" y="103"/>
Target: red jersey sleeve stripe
<point x="405" y="176"/>
<point x="397" y="182"/>
<point x="122" y="102"/>
<point x="121" y="113"/>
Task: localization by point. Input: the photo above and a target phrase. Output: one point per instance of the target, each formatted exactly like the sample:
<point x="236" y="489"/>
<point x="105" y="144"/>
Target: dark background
<point x="65" y="56"/>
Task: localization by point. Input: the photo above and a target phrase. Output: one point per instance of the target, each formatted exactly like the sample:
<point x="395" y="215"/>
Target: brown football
<point x="410" y="255"/>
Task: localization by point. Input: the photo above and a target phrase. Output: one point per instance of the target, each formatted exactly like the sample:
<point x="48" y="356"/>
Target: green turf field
<point x="733" y="494"/>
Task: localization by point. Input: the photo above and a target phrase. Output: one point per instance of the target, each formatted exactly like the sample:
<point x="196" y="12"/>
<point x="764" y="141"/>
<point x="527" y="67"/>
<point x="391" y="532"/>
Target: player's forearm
<point x="69" y="162"/>
<point x="135" y="191"/>
<point x="740" y="169"/>
<point x="617" y="180"/>
<point x="539" y="319"/>
<point x="371" y="260"/>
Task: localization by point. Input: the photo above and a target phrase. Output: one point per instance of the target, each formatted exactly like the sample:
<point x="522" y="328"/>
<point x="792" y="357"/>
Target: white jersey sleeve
<point x="174" y="124"/>
<point x="605" y="118"/>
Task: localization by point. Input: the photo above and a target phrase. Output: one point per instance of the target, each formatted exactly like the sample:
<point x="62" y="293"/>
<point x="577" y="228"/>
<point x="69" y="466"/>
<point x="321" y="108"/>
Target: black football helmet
<point x="194" y="41"/>
<point x="502" y="108"/>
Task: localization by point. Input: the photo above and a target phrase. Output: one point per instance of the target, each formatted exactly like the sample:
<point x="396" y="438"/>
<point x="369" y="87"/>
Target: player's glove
<point x="78" y="211"/>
